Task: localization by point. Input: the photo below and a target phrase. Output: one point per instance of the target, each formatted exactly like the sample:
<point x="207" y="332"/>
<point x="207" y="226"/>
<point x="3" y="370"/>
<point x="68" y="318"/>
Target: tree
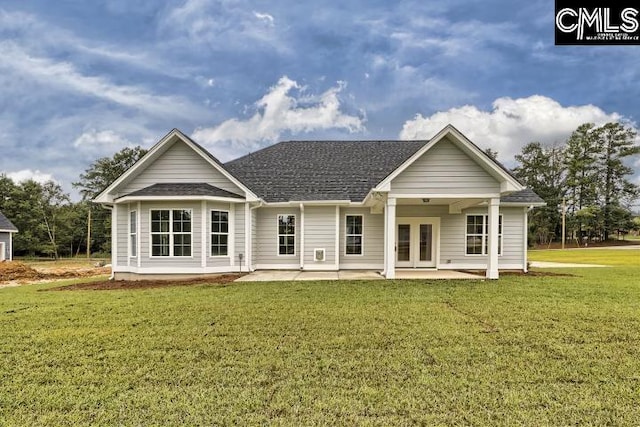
<point x="105" y="170"/>
<point x="94" y="180"/>
<point x="617" y="143"/>
<point x="541" y="168"/>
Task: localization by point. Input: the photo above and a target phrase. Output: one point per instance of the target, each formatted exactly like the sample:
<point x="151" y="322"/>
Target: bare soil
<point x="18" y="273"/>
<point x="106" y="285"/>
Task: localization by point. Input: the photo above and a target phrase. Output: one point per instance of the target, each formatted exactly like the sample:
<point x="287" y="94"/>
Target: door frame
<point x="414" y="223"/>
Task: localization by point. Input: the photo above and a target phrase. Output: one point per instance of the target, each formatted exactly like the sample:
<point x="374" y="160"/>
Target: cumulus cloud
<point x="28" y="174"/>
<point x="511" y="123"/>
<point x="264" y="17"/>
<point x="279" y="111"/>
<point x="101" y="141"/>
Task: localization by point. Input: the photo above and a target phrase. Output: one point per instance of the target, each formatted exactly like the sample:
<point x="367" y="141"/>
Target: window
<point x="353" y="235"/>
<point x="133" y="234"/>
<point x="477" y="235"/>
<point x="286" y="234"/>
<point x="219" y="233"/>
<point x="171" y="232"/>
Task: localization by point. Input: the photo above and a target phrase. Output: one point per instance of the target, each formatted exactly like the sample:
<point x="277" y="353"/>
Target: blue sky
<point x="83" y="79"/>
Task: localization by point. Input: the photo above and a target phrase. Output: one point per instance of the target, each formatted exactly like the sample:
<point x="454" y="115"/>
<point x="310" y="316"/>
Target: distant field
<point x="622" y="257"/>
<point x="545" y="350"/>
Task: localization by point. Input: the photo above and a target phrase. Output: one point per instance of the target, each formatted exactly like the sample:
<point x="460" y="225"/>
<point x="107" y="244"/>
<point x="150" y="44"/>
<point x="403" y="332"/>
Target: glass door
<point x="416" y="242"/>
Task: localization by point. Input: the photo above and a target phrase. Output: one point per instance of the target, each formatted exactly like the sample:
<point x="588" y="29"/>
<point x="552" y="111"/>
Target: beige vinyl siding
<point x="180" y="164"/>
<point x="319" y="232"/>
<point x="266" y="237"/>
<point x="195" y="260"/>
<point x="122" y="218"/>
<point x="373" y="239"/>
<point x="444" y="169"/>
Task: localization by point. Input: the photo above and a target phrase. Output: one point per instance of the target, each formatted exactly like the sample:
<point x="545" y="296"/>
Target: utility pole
<point x="89" y="235"/>
<point x="564" y="215"/>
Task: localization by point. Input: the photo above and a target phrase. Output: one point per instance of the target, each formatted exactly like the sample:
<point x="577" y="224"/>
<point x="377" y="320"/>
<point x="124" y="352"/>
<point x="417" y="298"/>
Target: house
<point x="318" y="205"/>
<point x="6" y="238"/>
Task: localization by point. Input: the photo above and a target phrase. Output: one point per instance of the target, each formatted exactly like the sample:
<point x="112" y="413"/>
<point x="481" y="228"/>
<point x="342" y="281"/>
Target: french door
<point x="417" y="242"/>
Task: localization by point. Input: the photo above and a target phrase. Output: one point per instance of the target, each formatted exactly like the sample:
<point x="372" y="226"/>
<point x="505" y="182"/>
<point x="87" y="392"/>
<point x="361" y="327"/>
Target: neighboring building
<point x="318" y="205"/>
<point x="6" y="238"/>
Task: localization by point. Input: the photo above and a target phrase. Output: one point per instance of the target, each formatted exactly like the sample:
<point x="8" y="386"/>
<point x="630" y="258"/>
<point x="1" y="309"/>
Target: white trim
<point x="445" y="196"/>
<point x="7" y="231"/>
<point x="231" y="240"/>
<point x="493" y="238"/>
<point x="125" y="199"/>
<point x="414" y="223"/>
<point x="156" y="151"/>
<point x="176" y="270"/>
<point x="114" y="237"/>
<point x="138" y="231"/>
<point x="228" y="233"/>
<point x="336" y="260"/>
<point x="205" y="246"/>
<point x="295" y="231"/>
<point x="320" y="267"/>
<point x="296" y="203"/>
<point x="171" y="234"/>
<point x="129" y="239"/>
<point x="247" y="237"/>
<point x="466" y="146"/>
<point x="361" y="254"/>
<point x="521" y="204"/>
<point x="302" y="248"/>
<point x="3" y="251"/>
<point x="525" y="238"/>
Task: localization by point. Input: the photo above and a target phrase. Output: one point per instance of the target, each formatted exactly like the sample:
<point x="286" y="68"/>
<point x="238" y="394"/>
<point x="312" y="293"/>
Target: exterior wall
<point x="320" y="232"/>
<point x="254" y="240"/>
<point x="444" y="169"/>
<point x="266" y="239"/>
<point x="373" y="240"/>
<point x="180" y="164"/>
<point x="122" y="221"/>
<point x="5" y="240"/>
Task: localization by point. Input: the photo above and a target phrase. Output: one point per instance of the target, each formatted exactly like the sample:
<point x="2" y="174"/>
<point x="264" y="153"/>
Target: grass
<point x="612" y="257"/>
<point x="519" y="351"/>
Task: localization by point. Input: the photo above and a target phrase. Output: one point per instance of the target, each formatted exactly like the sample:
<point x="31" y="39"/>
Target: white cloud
<point x="511" y="123"/>
<point x="264" y="17"/>
<point x="64" y="75"/>
<point x="95" y="141"/>
<point x="27" y="174"/>
<point x="278" y="112"/>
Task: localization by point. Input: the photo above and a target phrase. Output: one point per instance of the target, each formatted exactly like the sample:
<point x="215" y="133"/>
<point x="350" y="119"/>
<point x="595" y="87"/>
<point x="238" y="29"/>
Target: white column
<point x="390" y="261"/>
<point x="114" y="237"/>
<point x="492" y="235"/>
<point x="138" y="235"/>
<point x="204" y="247"/>
<point x="247" y="236"/>
<point x="301" y="236"/>
<point x="525" y="237"/>
<point x="337" y="242"/>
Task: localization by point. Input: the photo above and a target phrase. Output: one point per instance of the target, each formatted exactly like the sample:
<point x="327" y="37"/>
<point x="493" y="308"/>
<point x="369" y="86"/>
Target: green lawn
<point x="620" y="257"/>
<point x="519" y="351"/>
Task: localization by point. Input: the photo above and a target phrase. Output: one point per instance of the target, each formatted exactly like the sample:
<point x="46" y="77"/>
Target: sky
<point x="80" y="80"/>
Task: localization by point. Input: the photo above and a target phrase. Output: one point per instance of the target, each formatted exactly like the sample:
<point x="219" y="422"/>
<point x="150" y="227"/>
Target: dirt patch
<point x="14" y="273"/>
<point x="107" y="285"/>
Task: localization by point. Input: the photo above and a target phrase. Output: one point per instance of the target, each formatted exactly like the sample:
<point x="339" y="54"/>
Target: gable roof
<point x="182" y="189"/>
<point x="526" y="197"/>
<point x="6" y="225"/>
<point x="320" y="170"/>
<point x="106" y="196"/>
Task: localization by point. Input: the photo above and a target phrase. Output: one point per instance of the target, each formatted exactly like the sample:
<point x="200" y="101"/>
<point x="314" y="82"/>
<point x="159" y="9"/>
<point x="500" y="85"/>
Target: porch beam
<point x="492" y="235"/>
<point x="390" y="253"/>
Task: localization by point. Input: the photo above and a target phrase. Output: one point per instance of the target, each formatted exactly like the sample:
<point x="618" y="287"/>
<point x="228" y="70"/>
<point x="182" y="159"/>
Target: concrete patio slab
<point x="269" y="276"/>
<point x="359" y="275"/>
<point x="435" y="274"/>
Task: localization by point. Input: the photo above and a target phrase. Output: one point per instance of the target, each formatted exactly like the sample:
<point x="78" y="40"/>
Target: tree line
<point x="589" y="171"/>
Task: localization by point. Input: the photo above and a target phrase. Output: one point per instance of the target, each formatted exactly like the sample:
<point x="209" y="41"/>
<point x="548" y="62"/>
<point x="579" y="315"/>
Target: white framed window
<point x="477" y="235"/>
<point x="286" y="234"/>
<point x="133" y="234"/>
<point x="170" y="232"/>
<point x="353" y="240"/>
<point x="219" y="233"/>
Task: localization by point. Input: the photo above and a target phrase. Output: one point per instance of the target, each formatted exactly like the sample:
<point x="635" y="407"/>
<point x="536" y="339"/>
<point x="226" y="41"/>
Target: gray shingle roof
<point x="320" y="170"/>
<point x="5" y="224"/>
<point x="183" y="189"/>
<point x="523" y="196"/>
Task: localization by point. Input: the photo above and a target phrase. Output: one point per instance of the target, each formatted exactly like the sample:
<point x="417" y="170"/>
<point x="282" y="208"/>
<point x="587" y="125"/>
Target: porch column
<point x="390" y="253"/>
<point x="492" y="235"/>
